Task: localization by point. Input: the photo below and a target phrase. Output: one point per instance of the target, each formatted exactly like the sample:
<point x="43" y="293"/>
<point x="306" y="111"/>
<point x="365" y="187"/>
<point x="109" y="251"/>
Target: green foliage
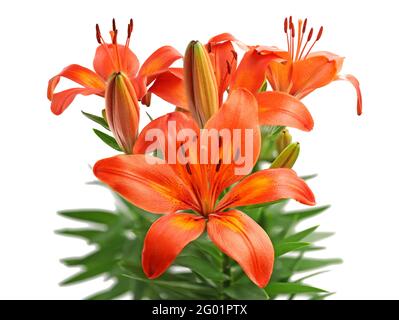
<point x="199" y="272"/>
<point x="107" y="139"/>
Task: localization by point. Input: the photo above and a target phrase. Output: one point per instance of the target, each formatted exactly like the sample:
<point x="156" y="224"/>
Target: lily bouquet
<point x="201" y="191"/>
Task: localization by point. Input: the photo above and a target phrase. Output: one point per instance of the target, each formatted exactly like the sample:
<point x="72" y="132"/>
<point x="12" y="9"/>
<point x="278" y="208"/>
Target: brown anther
<point x="234" y="54"/>
<point x="113" y="25"/>
<point x="290" y="21"/>
<point x="285" y="25"/>
<point x="310" y="35"/>
<point x="228" y="67"/>
<point x="304" y="25"/>
<point x="292" y="28"/>
<point x="188" y="169"/>
<point x="98" y="34"/>
<point x="319" y="34"/>
<point x="130" y="28"/>
<point x="219" y="165"/>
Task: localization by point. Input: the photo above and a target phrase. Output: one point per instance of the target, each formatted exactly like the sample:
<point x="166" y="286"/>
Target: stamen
<point x="304" y="25"/>
<point x="292" y="28"/>
<point x="286" y="33"/>
<point x="188" y="169"/>
<point x="299" y="41"/>
<point x="317" y="39"/>
<point x="228" y="67"/>
<point x="219" y="165"/>
<point x="307" y="41"/>
<point x="113" y="25"/>
<point x="98" y="34"/>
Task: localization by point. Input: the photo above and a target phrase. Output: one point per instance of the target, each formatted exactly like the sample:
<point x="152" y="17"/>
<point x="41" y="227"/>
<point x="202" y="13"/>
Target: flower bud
<point x="200" y="83"/>
<point x="122" y="110"/>
<point x="283" y="140"/>
<point x="287" y="158"/>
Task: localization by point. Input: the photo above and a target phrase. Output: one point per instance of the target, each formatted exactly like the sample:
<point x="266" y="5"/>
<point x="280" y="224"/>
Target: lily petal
<point x="158" y="62"/>
<point x="241" y="238"/>
<point x="166" y="238"/>
<point x="78" y="74"/>
<point x="281" y="109"/>
<point x="314" y="72"/>
<point x="169" y="86"/>
<point x="145" y="181"/>
<point x="251" y="71"/>
<point x="238" y="114"/>
<point x="266" y="186"/>
<point x="106" y="60"/>
<point x="61" y="100"/>
<point x="352" y="79"/>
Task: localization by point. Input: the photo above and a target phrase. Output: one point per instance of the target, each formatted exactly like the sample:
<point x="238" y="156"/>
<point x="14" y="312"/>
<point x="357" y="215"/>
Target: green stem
<point x="226" y="269"/>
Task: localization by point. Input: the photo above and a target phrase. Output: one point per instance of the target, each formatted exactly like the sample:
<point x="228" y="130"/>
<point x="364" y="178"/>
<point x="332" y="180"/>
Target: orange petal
<point x="238" y="114"/>
<point x="267" y="186"/>
<point x="78" y="74"/>
<point x="158" y="62"/>
<point x="152" y="187"/>
<point x="352" y="79"/>
<point x="251" y="71"/>
<point x="281" y="109"/>
<point x="279" y="75"/>
<point x="106" y="61"/>
<point x="241" y="238"/>
<point x="166" y="238"/>
<point x="169" y="86"/>
<point x="314" y="72"/>
<point x="224" y="60"/>
<point x="61" y="100"/>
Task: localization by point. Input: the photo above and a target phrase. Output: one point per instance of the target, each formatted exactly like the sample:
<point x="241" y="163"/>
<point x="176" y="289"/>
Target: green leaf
<point x="246" y="292"/>
<point x="107" y="139"/>
<point x="99" y="120"/>
<point x="300" y="235"/>
<point x="87" y="234"/>
<point x="276" y="288"/>
<point x="89" y="273"/>
<point x="322" y="296"/>
<point x="306" y="264"/>
<point x="203" y="267"/>
<point x="305" y="214"/>
<point x="317" y="236"/>
<point x="285" y="247"/>
<point x="182" y="285"/>
<point x="115" y="291"/>
<point x="91" y="215"/>
<point x="308" y="177"/>
<point x="97" y="257"/>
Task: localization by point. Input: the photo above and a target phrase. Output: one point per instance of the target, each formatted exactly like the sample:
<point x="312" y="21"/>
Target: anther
<point x="219" y="165"/>
<point x="285" y="25"/>
<point x="310" y="35"/>
<point x="304" y="25"/>
<point x="113" y="25"/>
<point x="319" y="34"/>
<point x="188" y="169"/>
<point x="234" y="54"/>
<point x="98" y="34"/>
<point x="228" y="67"/>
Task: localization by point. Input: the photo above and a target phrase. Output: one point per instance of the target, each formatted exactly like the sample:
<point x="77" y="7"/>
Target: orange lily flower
<point x="250" y="73"/>
<point x="110" y="58"/>
<point x="171" y="189"/>
<point x="303" y="71"/>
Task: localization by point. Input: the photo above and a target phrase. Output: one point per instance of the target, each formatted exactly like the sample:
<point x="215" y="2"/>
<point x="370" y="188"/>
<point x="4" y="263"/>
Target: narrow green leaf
<point x="87" y="234"/>
<point x="91" y="215"/>
<point x="285" y="247"/>
<point x="317" y="236"/>
<point x="300" y="235"/>
<point x="322" y="296"/>
<point x="107" y="139"/>
<point x="306" y="264"/>
<point x="201" y="266"/>
<point x="246" y="292"/>
<point x="121" y="287"/>
<point x="305" y="214"/>
<point x="309" y="177"/>
<point x="99" y="120"/>
<point x="276" y="288"/>
<point x="88" y="273"/>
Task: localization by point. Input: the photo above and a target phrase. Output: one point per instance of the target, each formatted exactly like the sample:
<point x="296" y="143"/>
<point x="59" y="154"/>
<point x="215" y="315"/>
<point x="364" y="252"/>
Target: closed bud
<point x="200" y="82"/>
<point x="122" y="110"/>
<point x="283" y="140"/>
<point x="288" y="157"/>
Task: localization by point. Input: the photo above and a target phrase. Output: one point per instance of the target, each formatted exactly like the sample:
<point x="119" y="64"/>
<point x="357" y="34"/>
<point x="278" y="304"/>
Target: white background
<point x="45" y="159"/>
